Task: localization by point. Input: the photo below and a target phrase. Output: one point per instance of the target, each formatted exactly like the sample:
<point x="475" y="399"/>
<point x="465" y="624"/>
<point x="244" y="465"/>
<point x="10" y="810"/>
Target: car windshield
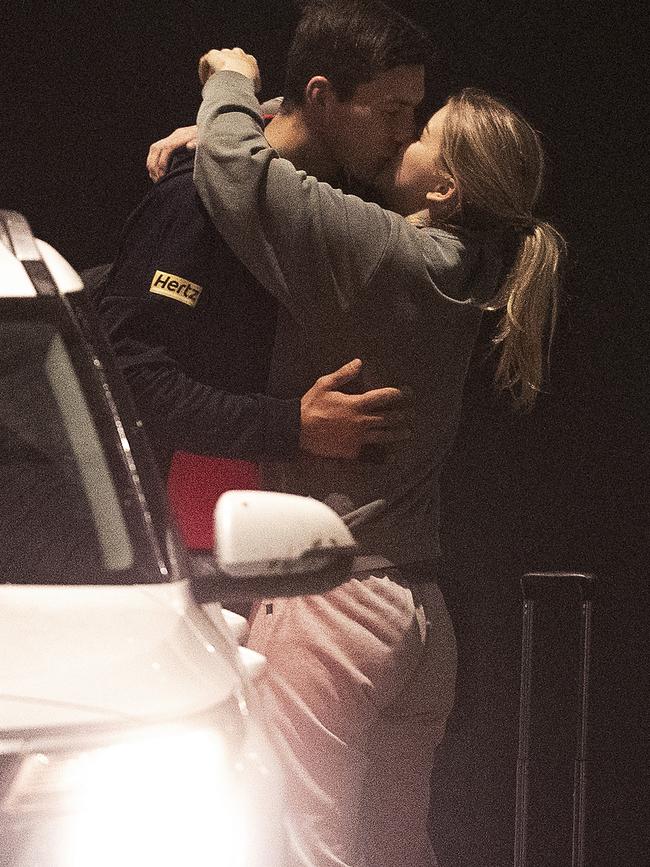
<point x="61" y="514"/>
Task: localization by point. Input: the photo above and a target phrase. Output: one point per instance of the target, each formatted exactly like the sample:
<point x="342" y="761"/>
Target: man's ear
<point x="319" y="94"/>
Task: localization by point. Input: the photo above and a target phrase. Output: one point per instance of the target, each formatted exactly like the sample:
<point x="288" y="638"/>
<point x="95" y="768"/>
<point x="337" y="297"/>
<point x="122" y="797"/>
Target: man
<point x="192" y="329"/>
<point x="355" y="76"/>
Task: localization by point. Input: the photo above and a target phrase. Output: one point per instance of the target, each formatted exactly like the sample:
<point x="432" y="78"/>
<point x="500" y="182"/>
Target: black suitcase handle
<point x="534" y="585"/>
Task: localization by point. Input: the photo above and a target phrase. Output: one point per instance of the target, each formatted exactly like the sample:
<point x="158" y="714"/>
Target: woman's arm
<point x="312" y="246"/>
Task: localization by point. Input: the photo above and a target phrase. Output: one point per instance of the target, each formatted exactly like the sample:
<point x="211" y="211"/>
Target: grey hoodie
<point x="354" y="280"/>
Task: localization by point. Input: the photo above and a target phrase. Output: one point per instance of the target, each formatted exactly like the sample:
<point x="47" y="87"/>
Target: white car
<point x="129" y="732"/>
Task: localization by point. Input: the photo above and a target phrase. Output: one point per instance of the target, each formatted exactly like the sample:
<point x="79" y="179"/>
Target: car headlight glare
<point x="168" y="798"/>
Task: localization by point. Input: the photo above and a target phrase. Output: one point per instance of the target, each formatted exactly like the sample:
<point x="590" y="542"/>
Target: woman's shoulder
<point x="463" y="266"/>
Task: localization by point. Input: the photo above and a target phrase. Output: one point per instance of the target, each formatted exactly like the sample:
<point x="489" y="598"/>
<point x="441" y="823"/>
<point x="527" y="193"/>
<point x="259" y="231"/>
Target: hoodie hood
<point x="473" y="264"/>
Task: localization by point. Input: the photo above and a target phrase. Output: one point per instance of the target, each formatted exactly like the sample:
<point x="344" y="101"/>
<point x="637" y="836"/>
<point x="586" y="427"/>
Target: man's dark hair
<point x="350" y="42"/>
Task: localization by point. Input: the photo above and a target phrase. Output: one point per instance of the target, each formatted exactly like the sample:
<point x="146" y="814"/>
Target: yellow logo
<point x="173" y="286"/>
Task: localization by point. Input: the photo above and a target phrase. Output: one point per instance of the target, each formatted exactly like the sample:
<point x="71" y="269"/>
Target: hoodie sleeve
<point x="312" y="246"/>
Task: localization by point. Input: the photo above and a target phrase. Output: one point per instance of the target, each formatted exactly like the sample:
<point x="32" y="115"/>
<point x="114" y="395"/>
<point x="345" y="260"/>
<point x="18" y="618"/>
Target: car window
<point x="60" y="513"/>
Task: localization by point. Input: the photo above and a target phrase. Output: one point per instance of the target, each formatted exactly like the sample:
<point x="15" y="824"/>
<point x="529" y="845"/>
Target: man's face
<point x="365" y="132"/>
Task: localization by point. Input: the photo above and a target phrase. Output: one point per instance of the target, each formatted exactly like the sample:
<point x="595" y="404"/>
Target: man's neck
<point x="292" y="137"/>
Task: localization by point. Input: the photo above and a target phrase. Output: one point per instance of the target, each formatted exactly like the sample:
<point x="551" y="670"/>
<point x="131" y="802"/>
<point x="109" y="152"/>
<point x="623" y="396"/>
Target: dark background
<point x="85" y="89"/>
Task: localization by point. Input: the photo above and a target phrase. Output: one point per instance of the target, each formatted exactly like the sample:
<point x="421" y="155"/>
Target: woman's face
<point x="415" y="171"/>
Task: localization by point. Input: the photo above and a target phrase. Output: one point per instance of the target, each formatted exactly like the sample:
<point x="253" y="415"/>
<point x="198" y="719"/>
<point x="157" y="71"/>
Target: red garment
<point x="194" y="485"/>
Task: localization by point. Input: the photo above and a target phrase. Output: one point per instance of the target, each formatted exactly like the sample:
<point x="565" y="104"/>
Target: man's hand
<point x="231" y="60"/>
<point x="338" y="425"/>
<point x="161" y="151"/>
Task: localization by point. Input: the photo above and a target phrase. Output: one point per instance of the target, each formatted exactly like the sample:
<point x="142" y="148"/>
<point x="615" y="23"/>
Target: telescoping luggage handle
<point x="533" y="586"/>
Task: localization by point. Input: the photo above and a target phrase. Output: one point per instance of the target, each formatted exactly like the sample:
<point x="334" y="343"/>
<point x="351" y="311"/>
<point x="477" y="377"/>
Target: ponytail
<point x="497" y="161"/>
<point x="529" y="299"/>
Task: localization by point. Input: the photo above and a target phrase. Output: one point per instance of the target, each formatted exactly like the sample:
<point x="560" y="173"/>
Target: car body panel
<point x="101" y="653"/>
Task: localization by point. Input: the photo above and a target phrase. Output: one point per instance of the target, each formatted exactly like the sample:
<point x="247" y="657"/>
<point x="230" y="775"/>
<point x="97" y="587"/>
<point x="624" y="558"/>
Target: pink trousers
<point x="357" y="691"/>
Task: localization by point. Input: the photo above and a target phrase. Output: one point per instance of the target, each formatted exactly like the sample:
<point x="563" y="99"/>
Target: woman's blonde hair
<point x="497" y="162"/>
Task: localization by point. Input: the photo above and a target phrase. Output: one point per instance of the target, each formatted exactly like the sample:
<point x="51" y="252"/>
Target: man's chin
<point x="376" y="176"/>
<point x="377" y="184"/>
<point x="384" y="183"/>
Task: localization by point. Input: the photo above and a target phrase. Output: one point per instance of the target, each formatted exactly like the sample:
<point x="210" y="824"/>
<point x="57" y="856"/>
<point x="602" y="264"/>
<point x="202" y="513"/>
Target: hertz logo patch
<point x="173" y="286"/>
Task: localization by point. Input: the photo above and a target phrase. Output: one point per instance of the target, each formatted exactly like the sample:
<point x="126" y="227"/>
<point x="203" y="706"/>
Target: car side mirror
<point x="274" y="544"/>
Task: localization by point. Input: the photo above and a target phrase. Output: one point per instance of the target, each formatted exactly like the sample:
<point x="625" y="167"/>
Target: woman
<point x="361" y="679"/>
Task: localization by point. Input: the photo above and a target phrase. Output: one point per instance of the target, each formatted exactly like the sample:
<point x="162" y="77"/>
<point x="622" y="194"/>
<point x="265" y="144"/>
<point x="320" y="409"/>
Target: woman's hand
<point x="161" y="151"/>
<point x="231" y="60"/>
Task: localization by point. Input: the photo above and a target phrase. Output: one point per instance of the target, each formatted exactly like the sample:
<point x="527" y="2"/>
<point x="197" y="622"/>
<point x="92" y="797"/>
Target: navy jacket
<point x="193" y="332"/>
